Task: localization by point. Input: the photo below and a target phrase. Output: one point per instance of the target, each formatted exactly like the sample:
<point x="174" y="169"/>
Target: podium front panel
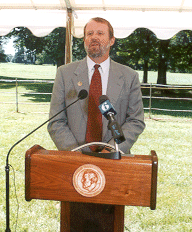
<point x="62" y="176"/>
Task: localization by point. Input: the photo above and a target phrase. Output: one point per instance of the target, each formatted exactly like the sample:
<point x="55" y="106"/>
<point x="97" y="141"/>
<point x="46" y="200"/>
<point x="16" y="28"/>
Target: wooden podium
<point x="74" y="178"/>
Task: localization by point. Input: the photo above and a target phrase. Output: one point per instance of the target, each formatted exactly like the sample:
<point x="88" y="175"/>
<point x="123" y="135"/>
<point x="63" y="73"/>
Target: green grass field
<point x="169" y="136"/>
<point x="48" y="72"/>
<point x="9" y="71"/>
<point x="22" y="71"/>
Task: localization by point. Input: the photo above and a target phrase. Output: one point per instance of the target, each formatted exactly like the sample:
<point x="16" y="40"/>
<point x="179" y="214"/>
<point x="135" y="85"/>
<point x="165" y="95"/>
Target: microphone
<point x="108" y="111"/>
<point x="106" y="107"/>
<point x="82" y="95"/>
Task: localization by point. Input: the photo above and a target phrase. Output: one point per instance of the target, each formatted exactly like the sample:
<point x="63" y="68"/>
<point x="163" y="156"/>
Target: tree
<point x="2" y="52"/>
<point x="141" y="50"/>
<point x="163" y="61"/>
<point x="26" y="45"/>
<point x="181" y="52"/>
<point x="78" y="49"/>
<point x="52" y="46"/>
<point x="19" y="55"/>
<point x="138" y="50"/>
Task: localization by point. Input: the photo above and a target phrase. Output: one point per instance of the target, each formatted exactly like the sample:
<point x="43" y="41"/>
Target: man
<point x="120" y="83"/>
<point x="75" y="126"/>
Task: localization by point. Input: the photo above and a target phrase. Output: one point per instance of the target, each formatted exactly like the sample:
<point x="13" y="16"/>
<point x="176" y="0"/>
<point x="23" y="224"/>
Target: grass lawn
<point x="12" y="71"/>
<point x="172" y="78"/>
<point x="169" y="136"/>
<point x="48" y="72"/>
<point x="23" y="71"/>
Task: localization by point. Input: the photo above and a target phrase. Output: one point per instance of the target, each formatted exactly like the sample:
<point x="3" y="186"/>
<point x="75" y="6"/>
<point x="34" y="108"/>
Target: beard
<point x="94" y="52"/>
<point x="95" y="49"/>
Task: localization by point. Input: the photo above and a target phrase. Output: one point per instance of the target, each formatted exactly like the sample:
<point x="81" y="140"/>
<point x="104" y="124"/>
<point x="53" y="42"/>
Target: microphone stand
<point x="80" y="96"/>
<point x="116" y="147"/>
<point x="116" y="130"/>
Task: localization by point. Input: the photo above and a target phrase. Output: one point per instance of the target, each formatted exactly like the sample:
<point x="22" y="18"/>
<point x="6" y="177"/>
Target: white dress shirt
<point x="104" y="71"/>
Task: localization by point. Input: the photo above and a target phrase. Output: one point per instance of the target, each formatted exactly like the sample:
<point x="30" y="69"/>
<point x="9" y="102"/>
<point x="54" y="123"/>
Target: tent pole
<point x="68" y="42"/>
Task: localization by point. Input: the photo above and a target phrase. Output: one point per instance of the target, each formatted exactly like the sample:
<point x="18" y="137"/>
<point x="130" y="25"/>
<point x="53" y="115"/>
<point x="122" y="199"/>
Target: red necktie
<point x="94" y="121"/>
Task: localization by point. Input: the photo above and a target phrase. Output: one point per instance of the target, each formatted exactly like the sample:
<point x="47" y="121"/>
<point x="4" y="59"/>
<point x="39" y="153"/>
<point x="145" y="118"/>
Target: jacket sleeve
<point x="58" y="127"/>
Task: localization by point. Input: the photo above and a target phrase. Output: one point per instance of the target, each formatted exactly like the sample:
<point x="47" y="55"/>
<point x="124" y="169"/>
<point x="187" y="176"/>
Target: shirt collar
<point x="104" y="65"/>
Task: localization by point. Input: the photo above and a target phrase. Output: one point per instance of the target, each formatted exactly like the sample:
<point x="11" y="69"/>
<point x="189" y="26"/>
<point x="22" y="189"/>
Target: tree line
<point x="142" y="50"/>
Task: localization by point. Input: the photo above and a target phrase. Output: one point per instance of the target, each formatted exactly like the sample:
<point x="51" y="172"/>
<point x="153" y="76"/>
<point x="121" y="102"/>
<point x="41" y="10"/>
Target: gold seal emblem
<point x="89" y="180"/>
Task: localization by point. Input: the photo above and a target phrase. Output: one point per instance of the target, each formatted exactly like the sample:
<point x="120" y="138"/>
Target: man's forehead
<point x="96" y="26"/>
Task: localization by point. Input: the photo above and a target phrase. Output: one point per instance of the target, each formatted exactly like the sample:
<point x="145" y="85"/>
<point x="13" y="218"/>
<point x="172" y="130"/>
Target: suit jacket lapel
<point x="81" y="81"/>
<point x="115" y="84"/>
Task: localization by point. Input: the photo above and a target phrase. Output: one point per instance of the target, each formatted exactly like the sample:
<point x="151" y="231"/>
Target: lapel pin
<point x="79" y="83"/>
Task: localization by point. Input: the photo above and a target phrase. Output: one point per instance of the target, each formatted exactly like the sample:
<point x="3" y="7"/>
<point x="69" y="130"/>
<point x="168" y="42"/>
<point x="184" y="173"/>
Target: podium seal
<point x="89" y="180"/>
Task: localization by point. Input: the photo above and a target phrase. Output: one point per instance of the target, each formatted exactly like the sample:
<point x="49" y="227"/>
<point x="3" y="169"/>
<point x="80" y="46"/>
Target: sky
<point x="8" y="48"/>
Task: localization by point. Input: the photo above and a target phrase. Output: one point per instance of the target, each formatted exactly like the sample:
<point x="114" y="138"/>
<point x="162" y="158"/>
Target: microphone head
<point x="106" y="107"/>
<point x="103" y="98"/>
<point x="82" y="94"/>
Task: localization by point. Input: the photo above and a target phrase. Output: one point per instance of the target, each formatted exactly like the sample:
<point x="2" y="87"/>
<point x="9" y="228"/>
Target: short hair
<point x="104" y="21"/>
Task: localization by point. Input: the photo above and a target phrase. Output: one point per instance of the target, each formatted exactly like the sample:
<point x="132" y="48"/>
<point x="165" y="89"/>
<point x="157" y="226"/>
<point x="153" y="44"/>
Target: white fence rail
<point x="143" y="86"/>
<point x="166" y="87"/>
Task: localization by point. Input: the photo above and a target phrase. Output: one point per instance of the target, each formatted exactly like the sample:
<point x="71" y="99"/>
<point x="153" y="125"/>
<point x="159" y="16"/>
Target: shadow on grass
<point x="156" y="92"/>
<point x="39" y="88"/>
<point x="31" y="87"/>
<point x="172" y="104"/>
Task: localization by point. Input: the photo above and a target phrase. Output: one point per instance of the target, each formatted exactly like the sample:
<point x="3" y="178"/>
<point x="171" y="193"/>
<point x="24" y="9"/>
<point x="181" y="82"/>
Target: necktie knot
<point x="96" y="66"/>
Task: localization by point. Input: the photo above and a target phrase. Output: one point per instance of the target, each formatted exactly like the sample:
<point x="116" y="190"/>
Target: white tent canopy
<point x="164" y="17"/>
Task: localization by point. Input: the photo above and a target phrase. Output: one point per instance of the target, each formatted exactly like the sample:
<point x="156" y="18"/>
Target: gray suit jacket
<point x="68" y="129"/>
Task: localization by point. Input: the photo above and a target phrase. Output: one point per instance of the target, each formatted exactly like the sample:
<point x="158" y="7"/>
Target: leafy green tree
<point x="51" y="46"/>
<point x="174" y="55"/>
<point x="78" y="50"/>
<point x="138" y="50"/>
<point x="25" y="44"/>
<point x="43" y="58"/>
<point x="2" y="52"/>
<point x="181" y="52"/>
<point x="54" y="46"/>
<point x="19" y="55"/>
<point x="141" y="50"/>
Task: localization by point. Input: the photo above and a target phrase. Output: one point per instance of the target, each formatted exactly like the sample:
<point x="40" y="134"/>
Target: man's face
<point x="96" y="41"/>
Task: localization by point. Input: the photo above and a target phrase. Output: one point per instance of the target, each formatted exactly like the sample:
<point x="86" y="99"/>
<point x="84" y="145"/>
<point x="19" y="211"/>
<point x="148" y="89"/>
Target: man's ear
<point x="112" y="41"/>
